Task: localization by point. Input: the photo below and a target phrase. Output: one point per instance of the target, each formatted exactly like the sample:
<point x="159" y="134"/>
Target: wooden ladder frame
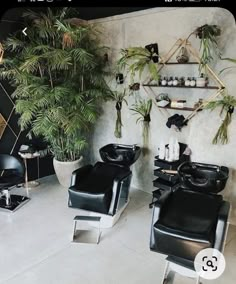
<point x="174" y="49"/>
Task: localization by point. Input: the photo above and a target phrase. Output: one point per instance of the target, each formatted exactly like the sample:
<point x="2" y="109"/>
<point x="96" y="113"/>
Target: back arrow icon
<point x="24" y="31"/>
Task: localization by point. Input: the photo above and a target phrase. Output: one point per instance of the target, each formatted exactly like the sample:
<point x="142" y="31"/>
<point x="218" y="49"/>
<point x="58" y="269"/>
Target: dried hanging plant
<point x="227" y="104"/>
<point x="119" y="98"/>
<point x="208" y="43"/>
<point x="143" y="109"/>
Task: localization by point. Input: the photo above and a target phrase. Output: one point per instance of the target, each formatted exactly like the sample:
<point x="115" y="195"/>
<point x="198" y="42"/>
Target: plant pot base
<point x="64" y="170"/>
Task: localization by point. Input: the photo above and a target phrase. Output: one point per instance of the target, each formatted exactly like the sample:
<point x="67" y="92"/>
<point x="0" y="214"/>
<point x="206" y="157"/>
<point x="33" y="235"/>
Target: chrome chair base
<point x="13" y="203"/>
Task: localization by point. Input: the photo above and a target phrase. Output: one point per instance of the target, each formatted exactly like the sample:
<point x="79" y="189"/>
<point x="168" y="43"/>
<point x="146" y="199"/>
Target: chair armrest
<point x="121" y="182"/>
<point x="162" y="199"/>
<point x="222" y="226"/>
<point x="80" y="174"/>
<point x="122" y="176"/>
<point x="157" y="206"/>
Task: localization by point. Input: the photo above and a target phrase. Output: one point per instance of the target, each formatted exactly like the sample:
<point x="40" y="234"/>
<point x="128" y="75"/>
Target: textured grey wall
<point x="165" y="26"/>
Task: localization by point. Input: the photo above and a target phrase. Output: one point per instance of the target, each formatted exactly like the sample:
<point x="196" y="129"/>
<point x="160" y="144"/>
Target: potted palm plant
<point x="57" y="73"/>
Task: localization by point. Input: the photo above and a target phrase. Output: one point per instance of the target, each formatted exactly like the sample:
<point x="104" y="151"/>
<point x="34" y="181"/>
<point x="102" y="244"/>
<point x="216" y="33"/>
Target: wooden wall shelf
<point x="177" y="63"/>
<point x="179" y="108"/>
<point x="185" y="87"/>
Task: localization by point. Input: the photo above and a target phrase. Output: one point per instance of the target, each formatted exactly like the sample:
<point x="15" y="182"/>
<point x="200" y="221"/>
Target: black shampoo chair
<point x="104" y="187"/>
<point x="11" y="175"/>
<point x="193" y="217"/>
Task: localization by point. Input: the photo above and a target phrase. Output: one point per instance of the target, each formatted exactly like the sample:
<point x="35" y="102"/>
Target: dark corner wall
<point x="12" y="138"/>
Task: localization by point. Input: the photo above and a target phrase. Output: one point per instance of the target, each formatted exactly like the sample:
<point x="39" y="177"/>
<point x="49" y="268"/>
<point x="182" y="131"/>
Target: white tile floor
<point x="36" y="248"/>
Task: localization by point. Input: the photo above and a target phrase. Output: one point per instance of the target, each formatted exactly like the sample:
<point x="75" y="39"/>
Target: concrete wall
<point x="165" y="26"/>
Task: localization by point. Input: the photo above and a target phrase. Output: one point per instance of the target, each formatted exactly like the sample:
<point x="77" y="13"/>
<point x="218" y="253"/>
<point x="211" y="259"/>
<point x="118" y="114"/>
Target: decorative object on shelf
<point x="170" y="81"/>
<point x="143" y="58"/>
<point x="193" y="82"/>
<point x="199" y="103"/>
<point x="181" y="81"/>
<point x="119" y="98"/>
<point x="176" y="81"/>
<point x="153" y="49"/>
<point x="178" y="103"/>
<point x="201" y="81"/>
<point x="227" y="105"/>
<point x="119" y="78"/>
<point x="1" y="53"/>
<point x="143" y="109"/>
<point x="163" y="100"/>
<point x="164" y="81"/>
<point x="182" y="57"/>
<point x="208" y="43"/>
<point x="187" y="82"/>
<point x="58" y="100"/>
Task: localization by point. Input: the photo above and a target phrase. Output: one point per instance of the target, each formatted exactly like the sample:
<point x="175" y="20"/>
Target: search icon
<point x="209" y="263"/>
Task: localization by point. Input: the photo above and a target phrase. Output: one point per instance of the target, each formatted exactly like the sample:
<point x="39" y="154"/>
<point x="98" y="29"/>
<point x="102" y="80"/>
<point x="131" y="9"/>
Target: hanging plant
<point x="142" y="57"/>
<point x="143" y="109"/>
<point x="227" y="104"/>
<point x="208" y="43"/>
<point x="119" y="98"/>
<point x="232" y="60"/>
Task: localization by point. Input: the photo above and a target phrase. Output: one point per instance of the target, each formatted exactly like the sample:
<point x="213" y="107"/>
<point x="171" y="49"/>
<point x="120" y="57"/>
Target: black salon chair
<point x="104" y="187"/>
<point x="11" y="175"/>
<point x="193" y="217"/>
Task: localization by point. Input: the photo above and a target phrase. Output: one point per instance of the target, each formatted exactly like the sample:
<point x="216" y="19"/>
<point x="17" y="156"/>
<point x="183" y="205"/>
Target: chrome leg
<point x="6" y="193"/>
<point x="198" y="280"/>
<point x="38" y="166"/>
<point x="164" y="277"/>
<point x="26" y="178"/>
<point x="74" y="230"/>
<point x="98" y="237"/>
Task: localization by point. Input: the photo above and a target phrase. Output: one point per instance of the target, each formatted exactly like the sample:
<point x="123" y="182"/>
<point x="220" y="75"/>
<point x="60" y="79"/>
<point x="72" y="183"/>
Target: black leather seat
<point x="187" y="224"/>
<point x="191" y="218"/>
<point x="98" y="188"/>
<point x="104" y="187"/>
<point x="12" y="174"/>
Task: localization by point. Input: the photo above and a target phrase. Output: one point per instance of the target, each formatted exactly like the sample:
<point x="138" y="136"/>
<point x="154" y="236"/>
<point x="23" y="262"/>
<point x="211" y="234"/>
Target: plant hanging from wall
<point x="227" y="104"/>
<point x="119" y="98"/>
<point x="142" y="57"/>
<point x="143" y="109"/>
<point x="208" y="43"/>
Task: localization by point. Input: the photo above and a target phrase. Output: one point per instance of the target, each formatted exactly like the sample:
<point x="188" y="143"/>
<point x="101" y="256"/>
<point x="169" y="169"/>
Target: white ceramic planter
<point x="64" y="170"/>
